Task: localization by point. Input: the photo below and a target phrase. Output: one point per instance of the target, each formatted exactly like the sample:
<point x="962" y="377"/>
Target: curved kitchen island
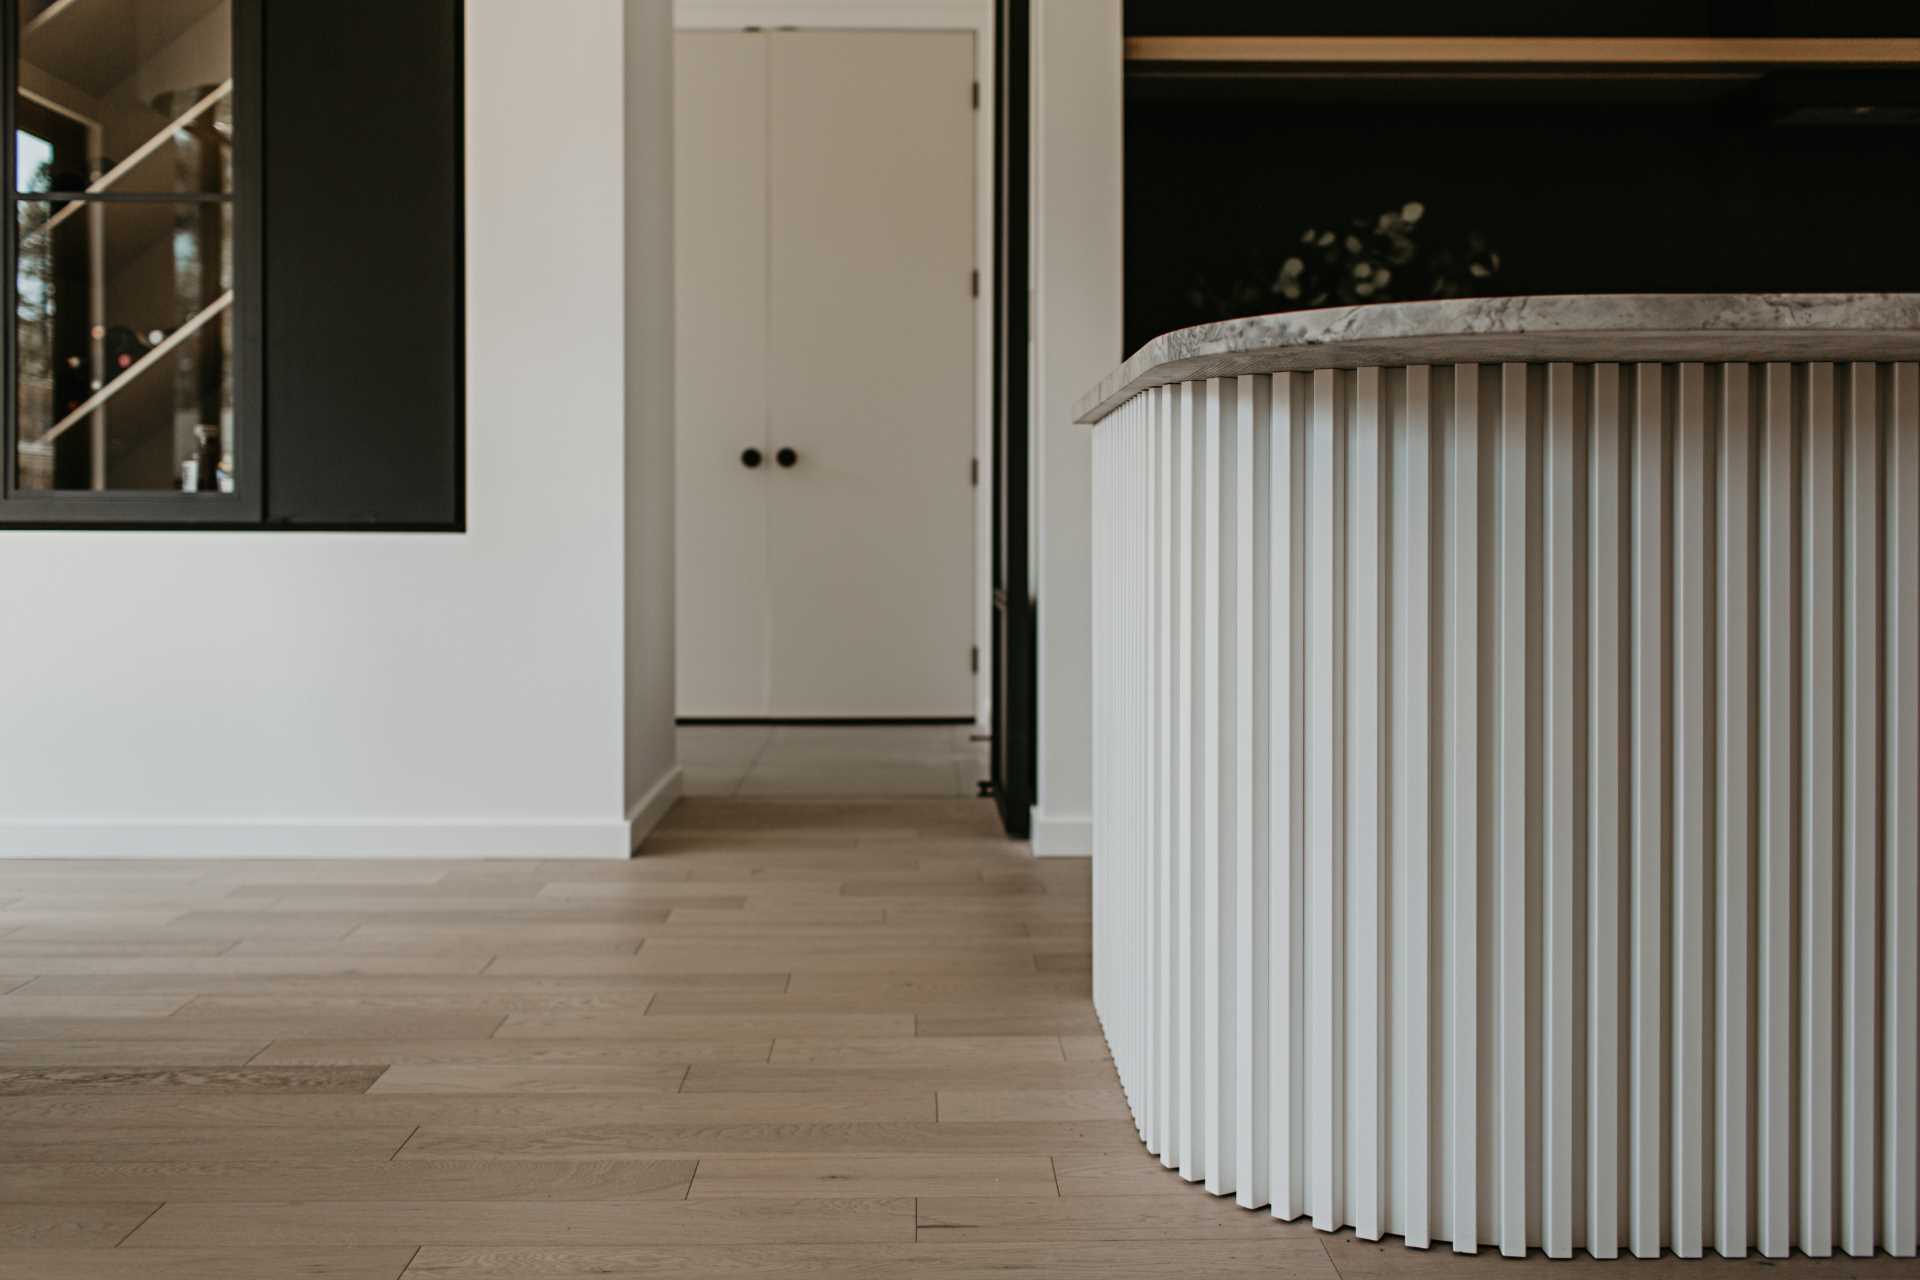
<point x="1508" y="767"/>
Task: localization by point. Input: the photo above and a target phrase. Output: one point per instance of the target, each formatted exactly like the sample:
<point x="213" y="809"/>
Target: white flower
<point x="1413" y="210"/>
<point x="1290" y="290"/>
<point x="1361" y="270"/>
<point x="1291" y="268"/>
<point x="1326" y="238"/>
<point x="1478" y="270"/>
<point x="1306" y="237"/>
<point x="1364" y="290"/>
<point x="1381" y="277"/>
<point x="1354" y="245"/>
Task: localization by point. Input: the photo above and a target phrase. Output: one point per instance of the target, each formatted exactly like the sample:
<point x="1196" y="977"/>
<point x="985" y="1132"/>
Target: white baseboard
<point x="1062" y="837"/>
<point x="651" y="807"/>
<point x="243" y="838"/>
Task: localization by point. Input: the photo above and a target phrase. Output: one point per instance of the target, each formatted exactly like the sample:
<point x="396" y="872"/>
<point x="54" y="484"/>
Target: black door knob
<point x="786" y="457"/>
<point x="750" y="458"/>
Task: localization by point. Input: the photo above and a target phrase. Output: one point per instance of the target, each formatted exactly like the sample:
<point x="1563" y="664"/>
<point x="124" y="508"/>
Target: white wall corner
<point x="1078" y="194"/>
<point x="1062" y="836"/>
<point x="650" y="808"/>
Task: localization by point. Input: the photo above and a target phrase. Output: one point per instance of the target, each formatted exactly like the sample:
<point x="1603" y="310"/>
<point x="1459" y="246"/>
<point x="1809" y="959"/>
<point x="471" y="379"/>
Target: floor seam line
<point x="136" y="1226"/>
<point x="403" y="1145"/>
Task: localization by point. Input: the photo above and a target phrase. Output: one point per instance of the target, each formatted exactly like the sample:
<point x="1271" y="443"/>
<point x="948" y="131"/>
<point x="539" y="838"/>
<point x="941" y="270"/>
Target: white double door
<point x="825" y="256"/>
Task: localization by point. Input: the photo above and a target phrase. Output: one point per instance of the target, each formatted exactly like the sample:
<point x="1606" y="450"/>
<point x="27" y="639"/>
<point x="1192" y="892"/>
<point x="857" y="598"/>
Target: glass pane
<point x="123" y="305"/>
<point x="124" y="320"/>
<point x="148" y="81"/>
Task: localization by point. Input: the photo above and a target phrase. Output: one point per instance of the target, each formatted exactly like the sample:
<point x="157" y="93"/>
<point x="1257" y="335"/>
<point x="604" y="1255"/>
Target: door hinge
<point x="974" y="472"/>
<point x="976" y="95"/>
<point x="976" y="659"/>
<point x="976" y="282"/>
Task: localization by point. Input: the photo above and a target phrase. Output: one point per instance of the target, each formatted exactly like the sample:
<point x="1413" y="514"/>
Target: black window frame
<point x="129" y="509"/>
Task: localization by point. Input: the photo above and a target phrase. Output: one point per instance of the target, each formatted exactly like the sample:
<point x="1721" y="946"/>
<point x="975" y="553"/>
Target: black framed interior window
<point x="132" y="152"/>
<point x="237" y="273"/>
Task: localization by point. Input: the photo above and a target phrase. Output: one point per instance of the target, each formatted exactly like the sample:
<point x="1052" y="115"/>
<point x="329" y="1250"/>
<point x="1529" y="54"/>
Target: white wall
<point x="263" y="693"/>
<point x="1077" y="161"/>
<point x="652" y="768"/>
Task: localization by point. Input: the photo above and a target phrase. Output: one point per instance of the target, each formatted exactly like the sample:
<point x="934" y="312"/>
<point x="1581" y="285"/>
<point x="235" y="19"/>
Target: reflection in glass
<point x="123" y="283"/>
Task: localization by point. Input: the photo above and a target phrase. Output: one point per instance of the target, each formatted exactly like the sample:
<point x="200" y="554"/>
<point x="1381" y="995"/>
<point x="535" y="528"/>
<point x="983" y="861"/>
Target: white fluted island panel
<point x="1508" y="788"/>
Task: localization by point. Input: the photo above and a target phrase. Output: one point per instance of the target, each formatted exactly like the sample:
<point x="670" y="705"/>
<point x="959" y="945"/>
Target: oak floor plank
<point x="412" y="1078"/>
<point x="1014" y="1001"/>
<point x="1231" y="1259"/>
<point x="1008" y="1219"/>
<point x="357" y="1182"/>
<point x="1128" y="1173"/>
<point x="916" y="1051"/>
<point x="261" y="1027"/>
<point x="728" y="1077"/>
<point x="128" y="1053"/>
<point x="204" y="1264"/>
<point x="472" y="1110"/>
<point x="934" y="988"/>
<point x="69" y="1226"/>
<point x="913" y="1138"/>
<point x="142" y="1083"/>
<point x="695" y="1026"/>
<point x="837" y="1218"/>
<point x="632" y="1002"/>
<point x="257" y="966"/>
<point x="830" y="1176"/>
<point x="523" y="1052"/>
<point x="294" y="988"/>
<point x="126" y="1144"/>
<point x="1031" y="1104"/>
<point x="1067" y="1022"/>
<point x="53" y="1005"/>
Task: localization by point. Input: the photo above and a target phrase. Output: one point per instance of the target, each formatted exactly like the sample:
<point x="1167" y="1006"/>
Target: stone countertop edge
<point x="1588" y="328"/>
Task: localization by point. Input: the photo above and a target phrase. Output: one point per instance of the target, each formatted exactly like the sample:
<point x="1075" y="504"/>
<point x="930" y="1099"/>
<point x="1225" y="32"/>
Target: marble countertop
<point x="1627" y="327"/>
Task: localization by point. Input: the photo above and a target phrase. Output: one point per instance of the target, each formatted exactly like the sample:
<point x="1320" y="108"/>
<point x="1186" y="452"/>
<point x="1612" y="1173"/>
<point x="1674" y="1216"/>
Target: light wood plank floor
<point x="796" y="1038"/>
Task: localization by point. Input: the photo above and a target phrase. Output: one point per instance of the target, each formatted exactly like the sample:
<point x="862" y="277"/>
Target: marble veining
<point x="1583" y="327"/>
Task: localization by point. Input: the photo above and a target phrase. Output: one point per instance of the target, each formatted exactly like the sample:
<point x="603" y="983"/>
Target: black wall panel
<point x="364" y="264"/>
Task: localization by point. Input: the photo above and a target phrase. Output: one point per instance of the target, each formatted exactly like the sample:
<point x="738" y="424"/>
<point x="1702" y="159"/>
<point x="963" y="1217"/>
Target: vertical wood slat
<point x="1692" y="505"/>
<point x="1326" y="844"/>
<point x="1412" y="841"/>
<point x="1366" y="735"/>
<point x="1154" y="622"/>
<point x="1253" y="857"/>
<point x="1648" y="835"/>
<point x="1462" y="801"/>
<point x="1606" y="805"/>
<point x="1733" y="808"/>
<point x="1900" y="1178"/>
<point x="1286" y="784"/>
<point x="1819" y="811"/>
<point x="1221" y="704"/>
<point x="1195" y="788"/>
<point x="1166" y="1075"/>
<point x="1561" y="819"/>
<point x="1860" y="829"/>
<point x="1778" y="716"/>
<point x="1772" y="523"/>
<point x="1509" y="755"/>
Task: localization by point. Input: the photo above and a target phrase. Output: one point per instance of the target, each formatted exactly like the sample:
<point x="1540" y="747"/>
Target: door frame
<point x="977" y="17"/>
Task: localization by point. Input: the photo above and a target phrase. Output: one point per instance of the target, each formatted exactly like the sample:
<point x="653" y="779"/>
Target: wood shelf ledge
<point x="1526" y="51"/>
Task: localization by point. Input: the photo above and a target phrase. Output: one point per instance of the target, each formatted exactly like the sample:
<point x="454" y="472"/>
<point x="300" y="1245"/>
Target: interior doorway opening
<point x="834" y="327"/>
